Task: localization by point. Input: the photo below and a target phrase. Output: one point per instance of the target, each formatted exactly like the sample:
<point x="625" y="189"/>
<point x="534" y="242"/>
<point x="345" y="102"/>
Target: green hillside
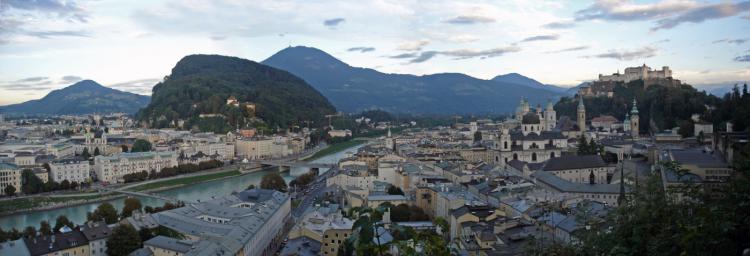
<point x="201" y="84"/>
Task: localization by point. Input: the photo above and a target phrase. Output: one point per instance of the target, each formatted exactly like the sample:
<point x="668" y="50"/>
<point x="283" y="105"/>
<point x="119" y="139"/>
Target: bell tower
<point x="634" y="121"/>
<point x="581" y="115"/>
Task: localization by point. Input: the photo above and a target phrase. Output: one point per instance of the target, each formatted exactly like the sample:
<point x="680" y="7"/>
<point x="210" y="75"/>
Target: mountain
<point x="353" y="89"/>
<point x="201" y="84"/>
<point x="84" y="97"/>
<point x="720" y="89"/>
<point x="515" y="78"/>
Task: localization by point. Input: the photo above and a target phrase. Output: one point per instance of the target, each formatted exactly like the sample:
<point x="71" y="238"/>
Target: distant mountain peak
<point x="311" y="55"/>
<point x="83" y="97"/>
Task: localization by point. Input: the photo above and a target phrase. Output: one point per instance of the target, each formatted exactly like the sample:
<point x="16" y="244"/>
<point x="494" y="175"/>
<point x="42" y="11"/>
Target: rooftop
<point x="574" y="162"/>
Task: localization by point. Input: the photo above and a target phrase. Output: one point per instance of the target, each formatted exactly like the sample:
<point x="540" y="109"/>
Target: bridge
<point x="150" y="195"/>
<point x="293" y="164"/>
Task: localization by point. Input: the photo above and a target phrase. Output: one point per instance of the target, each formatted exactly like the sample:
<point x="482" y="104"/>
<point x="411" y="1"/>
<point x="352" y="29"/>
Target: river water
<point x="201" y="191"/>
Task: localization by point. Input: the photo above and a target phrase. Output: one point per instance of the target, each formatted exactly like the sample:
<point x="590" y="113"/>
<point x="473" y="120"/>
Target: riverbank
<point x="175" y="183"/>
<point x="335" y="148"/>
<point x="44" y="203"/>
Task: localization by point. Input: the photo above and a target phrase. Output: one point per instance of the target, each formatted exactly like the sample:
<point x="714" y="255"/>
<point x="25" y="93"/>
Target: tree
<point x="273" y="181"/>
<point x="62" y="221"/>
<point x="145" y="234"/>
<point x="10" y="190"/>
<point x="85" y="154"/>
<point x="124" y="240"/>
<point x="65" y="184"/>
<point x="104" y="211"/>
<point x="141" y="145"/>
<point x="477" y="136"/>
<point x="131" y="204"/>
<point x="45" y="228"/>
<point x="393" y="190"/>
<point x="31" y="183"/>
<point x="29" y="232"/>
<point x="124" y="148"/>
<point x="96" y="152"/>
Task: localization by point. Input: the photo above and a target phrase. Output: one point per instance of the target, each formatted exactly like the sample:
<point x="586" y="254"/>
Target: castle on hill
<point x="606" y="83"/>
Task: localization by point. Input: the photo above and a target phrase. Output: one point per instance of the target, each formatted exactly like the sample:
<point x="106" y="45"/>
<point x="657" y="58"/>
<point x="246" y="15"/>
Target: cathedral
<point x="536" y="140"/>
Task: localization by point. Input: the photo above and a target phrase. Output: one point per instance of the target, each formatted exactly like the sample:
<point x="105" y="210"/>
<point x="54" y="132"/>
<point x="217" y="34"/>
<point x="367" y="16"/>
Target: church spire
<point x="635" y="107"/>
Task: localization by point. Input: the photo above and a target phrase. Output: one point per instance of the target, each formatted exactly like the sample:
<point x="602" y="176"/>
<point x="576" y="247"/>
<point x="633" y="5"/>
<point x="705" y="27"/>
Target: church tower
<point x="581" y="115"/>
<point x="634" y="121"/>
<point x="550" y="116"/>
<point x="505" y="142"/>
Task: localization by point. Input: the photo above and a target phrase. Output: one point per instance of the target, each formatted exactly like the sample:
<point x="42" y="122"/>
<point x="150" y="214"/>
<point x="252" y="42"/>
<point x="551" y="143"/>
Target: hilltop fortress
<point x="606" y="83"/>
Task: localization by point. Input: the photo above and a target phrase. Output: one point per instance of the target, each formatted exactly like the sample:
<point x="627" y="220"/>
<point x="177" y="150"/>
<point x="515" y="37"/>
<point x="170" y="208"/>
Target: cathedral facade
<point x="536" y="140"/>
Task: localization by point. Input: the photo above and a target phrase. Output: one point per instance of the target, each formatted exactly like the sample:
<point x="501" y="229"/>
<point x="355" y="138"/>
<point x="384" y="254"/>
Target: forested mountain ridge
<point x="83" y="97"/>
<point x="202" y="84"/>
<point x="354" y="89"/>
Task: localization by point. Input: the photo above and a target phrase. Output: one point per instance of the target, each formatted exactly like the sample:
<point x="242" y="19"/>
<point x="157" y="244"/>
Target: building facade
<point x="73" y="169"/>
<point x="112" y="168"/>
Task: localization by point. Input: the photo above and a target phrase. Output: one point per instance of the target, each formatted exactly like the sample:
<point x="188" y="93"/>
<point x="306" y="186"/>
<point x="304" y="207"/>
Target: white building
<point x="112" y="168"/>
<point x="261" y="148"/>
<point x="224" y="150"/>
<point x="73" y="169"/>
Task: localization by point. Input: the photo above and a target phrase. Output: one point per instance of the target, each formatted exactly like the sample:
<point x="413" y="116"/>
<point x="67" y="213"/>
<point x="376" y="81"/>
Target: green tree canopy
<point x="10" y="190"/>
<point x="141" y="145"/>
<point x="31" y="183"/>
<point x="273" y="181"/>
<point x="131" y="204"/>
<point x="104" y="211"/>
<point x="45" y="228"/>
<point x="61" y="221"/>
<point x="124" y="240"/>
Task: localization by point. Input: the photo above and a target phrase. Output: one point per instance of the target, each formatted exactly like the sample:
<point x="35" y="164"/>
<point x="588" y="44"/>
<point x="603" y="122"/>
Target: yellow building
<point x="10" y="175"/>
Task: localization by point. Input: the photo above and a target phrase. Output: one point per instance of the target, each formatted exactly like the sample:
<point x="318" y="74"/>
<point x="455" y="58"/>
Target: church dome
<point x="530" y="118"/>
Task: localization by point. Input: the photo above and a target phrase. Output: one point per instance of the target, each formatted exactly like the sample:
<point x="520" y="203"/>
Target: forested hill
<point x="201" y="84"/>
<point x="667" y="107"/>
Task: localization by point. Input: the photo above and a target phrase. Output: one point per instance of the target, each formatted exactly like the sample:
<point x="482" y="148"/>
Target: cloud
<point x="541" y="38"/>
<point x="64" y="9"/>
<point x="571" y="49"/>
<point x="28" y="84"/>
<point x="140" y="86"/>
<point x="458" y="54"/>
<point x="662" y="41"/>
<point x="627" y="11"/>
<point x="414" y="45"/>
<point x="404" y="56"/>
<point x="667" y="14"/>
<point x="50" y="34"/>
<point x="71" y="79"/>
<point x="703" y="13"/>
<point x="488" y="53"/>
<point x="627" y="55"/>
<point x="745" y="58"/>
<point x="559" y="25"/>
<point x="333" y="22"/>
<point x="218" y="38"/>
<point x="32" y="79"/>
<point x="469" y="19"/>
<point x="731" y="41"/>
<point x="361" y="49"/>
<point x="424" y="56"/>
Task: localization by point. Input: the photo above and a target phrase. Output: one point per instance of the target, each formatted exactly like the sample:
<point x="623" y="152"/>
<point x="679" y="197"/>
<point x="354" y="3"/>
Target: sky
<point x="132" y="44"/>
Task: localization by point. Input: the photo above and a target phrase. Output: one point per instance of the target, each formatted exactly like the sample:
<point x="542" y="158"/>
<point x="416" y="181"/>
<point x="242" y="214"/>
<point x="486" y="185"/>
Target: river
<point x="201" y="191"/>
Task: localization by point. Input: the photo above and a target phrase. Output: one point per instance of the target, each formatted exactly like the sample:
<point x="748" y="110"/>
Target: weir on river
<point x="201" y="191"/>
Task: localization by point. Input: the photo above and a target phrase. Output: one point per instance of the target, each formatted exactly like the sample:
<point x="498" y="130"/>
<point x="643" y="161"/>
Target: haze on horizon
<point x="131" y="45"/>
